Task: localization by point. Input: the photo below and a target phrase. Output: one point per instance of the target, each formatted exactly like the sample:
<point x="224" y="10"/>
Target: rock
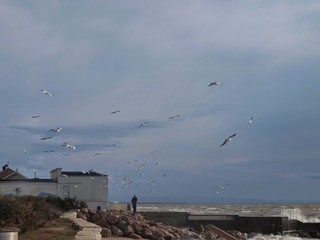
<point x="135" y="236"/>
<point x="117" y="231"/>
<point x="128" y="231"/>
<point x="126" y="219"/>
<point x="122" y="225"/>
<point x="146" y="233"/>
<point x="157" y="234"/>
<point x="112" y="219"/>
<point x="102" y="223"/>
<point x="95" y="217"/>
<point x="127" y="224"/>
<point x="136" y="228"/>
<point x="106" y="232"/>
<point x="82" y="215"/>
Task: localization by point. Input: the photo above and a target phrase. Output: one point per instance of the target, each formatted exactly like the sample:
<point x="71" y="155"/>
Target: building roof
<point x="83" y="173"/>
<point x="7" y="172"/>
<point x="35" y="180"/>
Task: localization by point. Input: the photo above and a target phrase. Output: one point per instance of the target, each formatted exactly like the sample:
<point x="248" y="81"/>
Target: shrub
<point x="30" y="212"/>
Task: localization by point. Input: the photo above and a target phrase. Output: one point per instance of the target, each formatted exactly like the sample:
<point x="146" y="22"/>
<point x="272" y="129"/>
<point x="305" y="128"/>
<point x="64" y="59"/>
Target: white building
<point x="88" y="186"/>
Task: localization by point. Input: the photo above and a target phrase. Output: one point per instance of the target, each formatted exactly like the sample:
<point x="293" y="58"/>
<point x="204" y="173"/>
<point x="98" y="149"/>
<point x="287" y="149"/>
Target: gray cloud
<point x="151" y="61"/>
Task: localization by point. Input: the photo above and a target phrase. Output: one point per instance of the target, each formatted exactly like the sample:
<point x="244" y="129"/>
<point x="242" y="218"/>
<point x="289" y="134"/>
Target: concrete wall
<point x="227" y="222"/>
<point x="91" y="189"/>
<point x="178" y="219"/>
<point x="18" y="188"/>
<point x="261" y="224"/>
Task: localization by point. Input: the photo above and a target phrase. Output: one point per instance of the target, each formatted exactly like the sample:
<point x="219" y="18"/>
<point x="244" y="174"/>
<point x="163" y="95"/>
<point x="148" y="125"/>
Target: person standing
<point x="134" y="201"/>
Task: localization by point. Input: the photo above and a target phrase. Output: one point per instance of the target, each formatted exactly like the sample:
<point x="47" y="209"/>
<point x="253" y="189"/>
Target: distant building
<point x="88" y="186"/>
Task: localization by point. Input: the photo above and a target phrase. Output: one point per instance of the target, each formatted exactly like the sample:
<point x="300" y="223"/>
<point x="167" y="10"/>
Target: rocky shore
<point x="116" y="223"/>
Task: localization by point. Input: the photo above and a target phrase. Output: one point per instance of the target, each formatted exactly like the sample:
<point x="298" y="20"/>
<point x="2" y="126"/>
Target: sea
<point x="303" y="212"/>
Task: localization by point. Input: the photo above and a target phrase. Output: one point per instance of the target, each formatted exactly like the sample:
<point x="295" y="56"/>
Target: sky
<point x="152" y="60"/>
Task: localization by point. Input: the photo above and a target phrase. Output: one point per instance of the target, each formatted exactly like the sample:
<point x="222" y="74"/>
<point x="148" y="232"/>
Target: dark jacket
<point x="134" y="199"/>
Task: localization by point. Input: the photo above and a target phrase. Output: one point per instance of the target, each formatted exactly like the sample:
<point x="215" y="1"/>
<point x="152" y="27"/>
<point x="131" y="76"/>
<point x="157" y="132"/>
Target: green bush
<point x="30" y="212"/>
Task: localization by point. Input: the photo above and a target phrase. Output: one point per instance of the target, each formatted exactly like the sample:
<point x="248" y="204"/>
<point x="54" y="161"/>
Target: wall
<point x="262" y="224"/>
<point x="27" y="188"/>
<point x="88" y="189"/>
<point x="91" y="189"/>
<point x="225" y="222"/>
<point x="178" y="219"/>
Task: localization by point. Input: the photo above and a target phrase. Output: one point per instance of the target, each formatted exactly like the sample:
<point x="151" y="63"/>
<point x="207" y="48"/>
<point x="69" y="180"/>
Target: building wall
<point x="27" y="188"/>
<point x="91" y="189"/>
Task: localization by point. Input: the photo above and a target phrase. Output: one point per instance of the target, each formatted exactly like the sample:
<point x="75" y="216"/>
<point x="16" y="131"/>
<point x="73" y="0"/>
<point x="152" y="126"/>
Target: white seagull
<point x="228" y="139"/>
<point x="44" y="91"/>
<point x="213" y="83"/>
<point x="26" y="151"/>
<point x="68" y="145"/>
<point x="55" y="129"/>
<point x="251" y="120"/>
<point x="71" y="146"/>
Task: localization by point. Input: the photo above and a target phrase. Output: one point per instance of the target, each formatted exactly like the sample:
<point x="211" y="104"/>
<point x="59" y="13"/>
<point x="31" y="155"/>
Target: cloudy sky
<point x="151" y="60"/>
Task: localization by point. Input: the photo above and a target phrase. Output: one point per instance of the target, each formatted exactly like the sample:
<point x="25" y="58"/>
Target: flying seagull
<point x="97" y="154"/>
<point x="36" y="116"/>
<point x="26" y="151"/>
<point x="55" y="129"/>
<point x="213" y="83"/>
<point x="44" y="91"/>
<point x="228" y="139"/>
<point x="70" y="146"/>
<point x="142" y="124"/>
<point x="175" y="116"/>
<point x="251" y="120"/>
<point x="45" y="138"/>
<point x="115" y="112"/>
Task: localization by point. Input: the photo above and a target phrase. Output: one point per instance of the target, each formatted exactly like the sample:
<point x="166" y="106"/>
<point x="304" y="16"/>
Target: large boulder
<point x="117" y="231"/>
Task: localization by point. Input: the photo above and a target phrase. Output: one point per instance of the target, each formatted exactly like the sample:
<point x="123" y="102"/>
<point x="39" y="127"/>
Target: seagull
<point x="213" y="83"/>
<point x="71" y="146"/>
<point x="44" y="91"/>
<point x="115" y="112"/>
<point x="68" y="145"/>
<point x="36" y="116"/>
<point x="97" y="154"/>
<point x="45" y="138"/>
<point x="228" y="139"/>
<point x="142" y="124"/>
<point x="175" y="116"/>
<point x="26" y="151"/>
<point x="55" y="129"/>
<point x="251" y="120"/>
